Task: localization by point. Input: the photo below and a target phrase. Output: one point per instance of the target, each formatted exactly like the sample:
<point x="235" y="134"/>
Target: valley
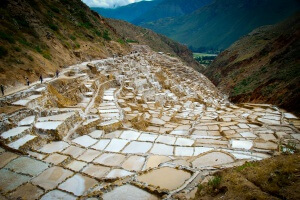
<point x="121" y="123"/>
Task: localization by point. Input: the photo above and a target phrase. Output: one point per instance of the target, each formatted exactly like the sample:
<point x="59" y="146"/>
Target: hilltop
<point x="262" y="66"/>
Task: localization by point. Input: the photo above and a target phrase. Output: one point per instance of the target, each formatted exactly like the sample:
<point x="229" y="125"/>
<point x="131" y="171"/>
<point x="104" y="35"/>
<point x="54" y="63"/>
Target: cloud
<point x="109" y="3"/>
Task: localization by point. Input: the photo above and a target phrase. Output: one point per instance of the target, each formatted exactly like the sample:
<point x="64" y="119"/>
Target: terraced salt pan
<point x="48" y="125"/>
<point x="116" y="145"/>
<point x="60" y="117"/>
<point x="78" y="184"/>
<point x="173" y="178"/>
<point x="212" y="159"/>
<point x="147" y="137"/>
<point x="85" y="141"/>
<point x="134" y="163"/>
<point x="155" y="161"/>
<point x="14" y="132"/>
<point x="27" y="121"/>
<point x="166" y="139"/>
<point x="184" y="142"/>
<point x="101" y="144"/>
<point x="54" y="147"/>
<point x="184" y="151"/>
<point x="21" y="141"/>
<point x="57" y="194"/>
<point x="138" y="147"/>
<point x="118" y="173"/>
<point x="96" y="134"/>
<point x="162" y="149"/>
<point x="130" y="135"/>
<point x="11" y="180"/>
<point x="241" y="144"/>
<point x="110" y="159"/>
<point x="22" y="102"/>
<point x="128" y="192"/>
<point x="96" y="171"/>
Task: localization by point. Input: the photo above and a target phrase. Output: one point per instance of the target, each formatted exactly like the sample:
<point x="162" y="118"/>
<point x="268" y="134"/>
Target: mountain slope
<point x="129" y="12"/>
<point x="156" y="41"/>
<point x="171" y="8"/>
<point x="42" y="36"/>
<point x="221" y="23"/>
<point x="262" y="66"/>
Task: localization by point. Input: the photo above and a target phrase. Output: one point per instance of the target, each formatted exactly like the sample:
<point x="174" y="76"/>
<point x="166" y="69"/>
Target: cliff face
<point x="43" y="36"/>
<point x="262" y="66"/>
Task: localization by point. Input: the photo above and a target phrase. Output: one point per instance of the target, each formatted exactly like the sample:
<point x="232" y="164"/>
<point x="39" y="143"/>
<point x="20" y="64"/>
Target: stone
<point x="27" y="166"/>
<point x="128" y="192"/>
<point x="78" y="184"/>
<point x="50" y="178"/>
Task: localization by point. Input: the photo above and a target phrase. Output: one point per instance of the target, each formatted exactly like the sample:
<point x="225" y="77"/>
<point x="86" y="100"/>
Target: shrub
<point x="53" y="27"/>
<point x="106" y="35"/>
<point x="6" y="37"/>
<point x="72" y="37"/>
<point x="3" y="52"/>
<point x="121" y="41"/>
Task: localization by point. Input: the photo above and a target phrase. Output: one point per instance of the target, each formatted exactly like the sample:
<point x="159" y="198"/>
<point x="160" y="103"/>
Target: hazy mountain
<point x="129" y="12"/>
<point x="262" y="67"/>
<point x="219" y="24"/>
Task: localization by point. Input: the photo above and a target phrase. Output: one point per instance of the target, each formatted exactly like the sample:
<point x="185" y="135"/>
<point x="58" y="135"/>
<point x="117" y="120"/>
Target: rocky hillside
<point x="262" y="66"/>
<point x="42" y="36"/>
<point x="219" y="24"/>
<point x="157" y="42"/>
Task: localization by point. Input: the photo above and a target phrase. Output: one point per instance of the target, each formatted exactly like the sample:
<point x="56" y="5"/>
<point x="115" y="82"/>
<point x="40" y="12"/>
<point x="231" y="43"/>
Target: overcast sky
<point x="109" y="3"/>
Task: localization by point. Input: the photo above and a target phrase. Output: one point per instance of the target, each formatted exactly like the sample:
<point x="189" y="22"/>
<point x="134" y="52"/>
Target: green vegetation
<point x="3" y="52"/>
<point x="121" y="41"/>
<point x="204" y="58"/>
<point x="215" y="181"/>
<point x="106" y="35"/>
<point x="7" y="37"/>
<point x="53" y="27"/>
<point x="132" y="41"/>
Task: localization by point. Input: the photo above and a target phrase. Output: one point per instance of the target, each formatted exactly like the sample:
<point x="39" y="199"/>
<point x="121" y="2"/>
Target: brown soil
<point x="274" y="178"/>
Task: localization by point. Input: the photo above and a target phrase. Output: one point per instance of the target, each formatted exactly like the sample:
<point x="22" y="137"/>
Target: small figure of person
<point x="2" y="89"/>
<point x="57" y="73"/>
<point x="27" y="81"/>
<point x="41" y="78"/>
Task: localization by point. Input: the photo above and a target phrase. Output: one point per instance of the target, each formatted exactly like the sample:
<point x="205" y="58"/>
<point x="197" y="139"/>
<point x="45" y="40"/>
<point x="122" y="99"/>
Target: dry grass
<point x="274" y="178"/>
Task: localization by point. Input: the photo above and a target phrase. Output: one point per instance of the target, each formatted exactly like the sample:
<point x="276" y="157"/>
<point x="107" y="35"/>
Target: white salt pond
<point x="173" y="178"/>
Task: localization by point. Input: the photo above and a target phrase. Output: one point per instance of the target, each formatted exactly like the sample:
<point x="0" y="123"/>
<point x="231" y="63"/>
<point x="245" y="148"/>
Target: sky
<point x="109" y="3"/>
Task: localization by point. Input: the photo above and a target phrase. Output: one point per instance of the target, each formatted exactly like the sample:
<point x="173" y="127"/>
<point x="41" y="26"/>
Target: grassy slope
<point x="221" y="23"/>
<point x="156" y="41"/>
<point x="262" y="67"/>
<point x="274" y="178"/>
<point x="40" y="36"/>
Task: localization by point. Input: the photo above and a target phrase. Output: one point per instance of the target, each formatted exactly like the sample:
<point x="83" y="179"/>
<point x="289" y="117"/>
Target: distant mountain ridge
<point x="219" y="24"/>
